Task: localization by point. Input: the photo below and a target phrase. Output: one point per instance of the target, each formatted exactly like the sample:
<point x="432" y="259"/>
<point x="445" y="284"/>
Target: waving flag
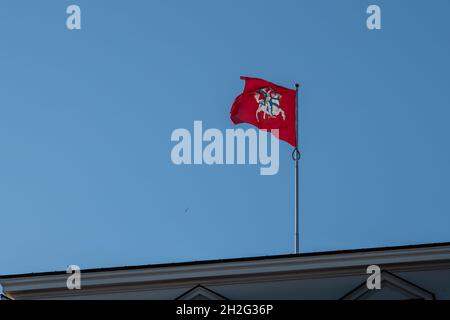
<point x="267" y="106"/>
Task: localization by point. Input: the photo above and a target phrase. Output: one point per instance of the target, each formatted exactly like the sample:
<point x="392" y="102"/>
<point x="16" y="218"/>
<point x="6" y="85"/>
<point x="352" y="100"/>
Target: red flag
<point x="266" y="106"/>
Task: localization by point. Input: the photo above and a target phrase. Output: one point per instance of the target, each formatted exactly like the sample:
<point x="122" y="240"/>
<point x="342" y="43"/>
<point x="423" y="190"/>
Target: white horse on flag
<point x="269" y="103"/>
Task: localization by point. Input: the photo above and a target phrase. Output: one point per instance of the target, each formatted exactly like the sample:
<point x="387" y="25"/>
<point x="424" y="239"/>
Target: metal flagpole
<point x="296" y="157"/>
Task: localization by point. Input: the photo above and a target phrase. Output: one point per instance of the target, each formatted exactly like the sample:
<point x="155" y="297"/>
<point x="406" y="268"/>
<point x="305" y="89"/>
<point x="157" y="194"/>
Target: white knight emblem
<point x="269" y="103"/>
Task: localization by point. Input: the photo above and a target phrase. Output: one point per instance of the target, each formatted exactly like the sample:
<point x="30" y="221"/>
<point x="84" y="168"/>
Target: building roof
<point x="224" y="261"/>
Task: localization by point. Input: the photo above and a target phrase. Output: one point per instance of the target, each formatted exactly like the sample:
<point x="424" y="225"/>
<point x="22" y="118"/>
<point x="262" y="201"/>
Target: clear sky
<point x="86" y="117"/>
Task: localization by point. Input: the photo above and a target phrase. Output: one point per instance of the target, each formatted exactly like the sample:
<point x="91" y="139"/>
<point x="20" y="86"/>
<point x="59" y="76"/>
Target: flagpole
<point x="296" y="157"/>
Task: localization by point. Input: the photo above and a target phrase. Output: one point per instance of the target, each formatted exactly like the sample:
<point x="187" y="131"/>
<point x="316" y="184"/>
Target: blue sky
<point x="86" y="117"/>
